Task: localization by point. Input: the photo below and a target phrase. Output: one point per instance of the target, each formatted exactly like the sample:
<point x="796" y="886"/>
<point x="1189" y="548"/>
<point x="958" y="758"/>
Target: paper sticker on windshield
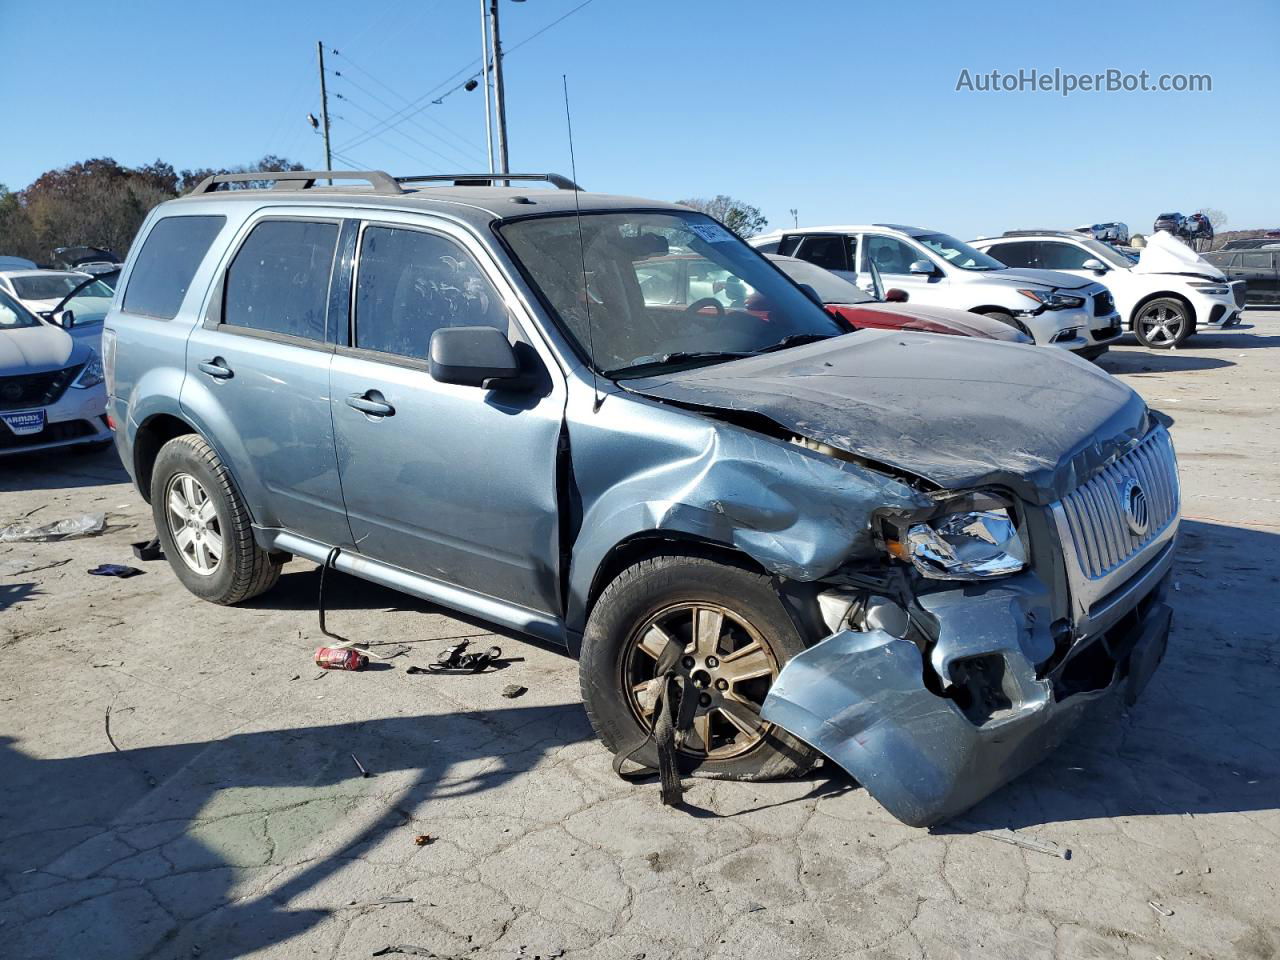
<point x="711" y="232"/>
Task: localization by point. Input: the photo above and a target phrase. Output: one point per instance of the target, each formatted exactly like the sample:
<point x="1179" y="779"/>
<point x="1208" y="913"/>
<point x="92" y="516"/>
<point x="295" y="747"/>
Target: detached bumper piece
<point x="860" y="698"/>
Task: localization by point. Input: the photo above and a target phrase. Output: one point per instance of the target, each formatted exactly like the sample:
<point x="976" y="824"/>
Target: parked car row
<point x="611" y="423"/>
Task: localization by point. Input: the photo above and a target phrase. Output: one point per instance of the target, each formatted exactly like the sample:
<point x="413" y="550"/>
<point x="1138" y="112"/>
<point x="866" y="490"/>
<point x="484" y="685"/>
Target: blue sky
<point x="846" y="111"/>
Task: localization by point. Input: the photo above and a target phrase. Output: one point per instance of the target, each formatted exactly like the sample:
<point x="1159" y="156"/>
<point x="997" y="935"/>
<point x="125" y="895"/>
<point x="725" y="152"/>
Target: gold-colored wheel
<point x="726" y="663"/>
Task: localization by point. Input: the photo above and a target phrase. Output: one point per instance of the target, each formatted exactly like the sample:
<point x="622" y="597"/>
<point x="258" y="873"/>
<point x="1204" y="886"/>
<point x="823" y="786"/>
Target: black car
<point x="1260" y="269"/>
<point x="1172" y="222"/>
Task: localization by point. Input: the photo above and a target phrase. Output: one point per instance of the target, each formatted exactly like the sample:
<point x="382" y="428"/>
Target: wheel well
<point x="1004" y="312"/>
<point x="1162" y="295"/>
<point x="152" y="435"/>
<point x="645" y="546"/>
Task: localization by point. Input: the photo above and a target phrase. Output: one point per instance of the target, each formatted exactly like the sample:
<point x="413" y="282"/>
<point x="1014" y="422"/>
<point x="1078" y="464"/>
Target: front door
<point x="893" y="258"/>
<point x="258" y="374"/>
<point x="456" y="483"/>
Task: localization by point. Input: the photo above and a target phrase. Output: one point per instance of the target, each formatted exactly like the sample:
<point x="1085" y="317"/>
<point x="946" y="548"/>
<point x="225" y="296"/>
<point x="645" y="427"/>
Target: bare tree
<point x="742" y="218"/>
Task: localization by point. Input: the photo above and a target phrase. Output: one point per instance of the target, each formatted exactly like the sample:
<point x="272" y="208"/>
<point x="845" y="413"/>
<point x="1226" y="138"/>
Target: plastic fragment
<point x="84" y="525"/>
<point x="1160" y="908"/>
<point x="114" y="570"/>
<point x="1028" y="843"/>
<point x="513" y="690"/>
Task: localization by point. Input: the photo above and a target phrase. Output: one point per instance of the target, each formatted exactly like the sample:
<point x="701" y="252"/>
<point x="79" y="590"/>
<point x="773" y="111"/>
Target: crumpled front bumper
<point x="860" y="698"/>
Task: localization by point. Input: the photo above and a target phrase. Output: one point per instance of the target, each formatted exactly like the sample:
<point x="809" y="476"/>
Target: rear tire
<point x="204" y="526"/>
<point x="1163" y="324"/>
<point x="747" y="637"/>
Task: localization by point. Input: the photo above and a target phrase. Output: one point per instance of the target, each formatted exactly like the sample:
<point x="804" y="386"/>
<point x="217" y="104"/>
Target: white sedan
<point x="43" y="292"/>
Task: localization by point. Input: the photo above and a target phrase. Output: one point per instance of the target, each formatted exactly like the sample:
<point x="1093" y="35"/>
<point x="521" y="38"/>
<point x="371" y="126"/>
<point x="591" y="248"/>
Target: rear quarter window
<point x="169" y="258"/>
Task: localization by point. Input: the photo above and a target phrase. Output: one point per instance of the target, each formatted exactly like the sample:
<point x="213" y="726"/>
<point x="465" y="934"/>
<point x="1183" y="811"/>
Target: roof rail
<point x="301" y="179"/>
<point x="557" y="180"/>
<point x="1043" y="233"/>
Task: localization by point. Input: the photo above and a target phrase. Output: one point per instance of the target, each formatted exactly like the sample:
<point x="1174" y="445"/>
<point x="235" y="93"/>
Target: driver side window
<point x="890" y="255"/>
<point x="409" y="284"/>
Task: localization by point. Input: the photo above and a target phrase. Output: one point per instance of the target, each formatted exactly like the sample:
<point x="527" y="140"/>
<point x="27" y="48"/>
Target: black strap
<point x="330" y="562"/>
<point x="672" y="715"/>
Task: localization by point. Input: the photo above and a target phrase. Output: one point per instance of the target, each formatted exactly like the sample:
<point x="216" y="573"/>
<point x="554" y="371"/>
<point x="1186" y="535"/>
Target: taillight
<point x="109" y="361"/>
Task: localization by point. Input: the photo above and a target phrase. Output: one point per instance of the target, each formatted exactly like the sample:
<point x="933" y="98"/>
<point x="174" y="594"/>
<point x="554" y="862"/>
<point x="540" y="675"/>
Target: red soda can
<point x="340" y="658"/>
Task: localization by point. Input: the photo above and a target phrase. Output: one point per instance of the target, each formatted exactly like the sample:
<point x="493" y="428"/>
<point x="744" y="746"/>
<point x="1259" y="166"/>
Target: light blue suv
<point x="766" y="537"/>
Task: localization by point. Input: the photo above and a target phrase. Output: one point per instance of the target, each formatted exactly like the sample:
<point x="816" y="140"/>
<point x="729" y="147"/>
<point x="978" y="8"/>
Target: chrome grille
<point x="1105" y="528"/>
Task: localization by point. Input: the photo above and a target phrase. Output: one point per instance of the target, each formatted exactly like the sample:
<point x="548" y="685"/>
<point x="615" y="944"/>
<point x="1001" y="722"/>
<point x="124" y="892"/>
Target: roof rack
<point x="302" y="179"/>
<point x="1043" y="233"/>
<point x="557" y="180"/>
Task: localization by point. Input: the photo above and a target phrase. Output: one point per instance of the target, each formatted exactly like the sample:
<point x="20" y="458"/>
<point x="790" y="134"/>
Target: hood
<point x="36" y="350"/>
<point x="1018" y="277"/>
<point x="956" y="411"/>
<point x="926" y="318"/>
<point x="1164" y="254"/>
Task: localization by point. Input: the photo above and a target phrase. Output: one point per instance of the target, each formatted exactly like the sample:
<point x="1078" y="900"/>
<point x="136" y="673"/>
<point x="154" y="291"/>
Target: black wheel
<point x="1163" y="323"/>
<point x="735" y="636"/>
<point x="204" y="526"/>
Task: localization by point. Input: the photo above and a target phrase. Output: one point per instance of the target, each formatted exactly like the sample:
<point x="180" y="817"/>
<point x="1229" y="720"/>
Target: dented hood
<point x="956" y="411"/>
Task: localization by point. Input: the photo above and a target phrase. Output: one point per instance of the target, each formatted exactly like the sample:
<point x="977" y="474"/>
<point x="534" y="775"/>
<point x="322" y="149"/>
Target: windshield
<point x="829" y="287"/>
<point x="1107" y="253"/>
<point x="14" y="315"/>
<point x="958" y="254"/>
<point x="55" y="286"/>
<point x="662" y="288"/>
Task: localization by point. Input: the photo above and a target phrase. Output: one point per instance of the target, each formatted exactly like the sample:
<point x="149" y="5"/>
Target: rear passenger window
<point x="168" y="260"/>
<point x="1020" y="254"/>
<point x="1257" y="261"/>
<point x="824" y="251"/>
<point x="279" y="280"/>
<point x="409" y="284"/>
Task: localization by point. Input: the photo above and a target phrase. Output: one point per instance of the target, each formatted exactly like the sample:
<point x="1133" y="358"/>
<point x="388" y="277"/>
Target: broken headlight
<point x="977" y="542"/>
<point x="1053" y="300"/>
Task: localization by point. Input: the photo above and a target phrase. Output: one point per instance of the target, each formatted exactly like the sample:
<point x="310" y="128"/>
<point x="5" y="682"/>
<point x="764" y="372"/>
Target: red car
<point x="860" y="309"/>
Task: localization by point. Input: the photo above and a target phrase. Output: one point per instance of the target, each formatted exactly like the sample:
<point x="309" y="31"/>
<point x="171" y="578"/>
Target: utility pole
<point x="500" y="101"/>
<point x="324" y="110"/>
<point x="484" y="69"/>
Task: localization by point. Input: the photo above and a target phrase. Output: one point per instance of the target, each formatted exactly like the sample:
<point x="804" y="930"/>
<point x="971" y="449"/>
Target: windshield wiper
<point x="795" y="340"/>
<point x="678" y="356"/>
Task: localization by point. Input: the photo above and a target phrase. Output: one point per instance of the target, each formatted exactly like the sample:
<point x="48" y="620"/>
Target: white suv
<point x="1162" y="297"/>
<point x="1054" y="309"/>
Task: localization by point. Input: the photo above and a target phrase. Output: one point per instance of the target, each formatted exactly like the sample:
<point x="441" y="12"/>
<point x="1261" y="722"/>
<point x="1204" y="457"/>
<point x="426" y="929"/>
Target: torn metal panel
<point x="798" y="513"/>
<point x="861" y="699"/>
<point x="953" y="410"/>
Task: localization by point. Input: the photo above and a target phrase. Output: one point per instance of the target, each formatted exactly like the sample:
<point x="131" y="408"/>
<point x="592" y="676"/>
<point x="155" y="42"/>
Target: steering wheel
<point x="698" y="305"/>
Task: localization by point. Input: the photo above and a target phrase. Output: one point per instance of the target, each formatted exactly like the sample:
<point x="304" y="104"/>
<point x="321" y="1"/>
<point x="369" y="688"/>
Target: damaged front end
<point x="1000" y="624"/>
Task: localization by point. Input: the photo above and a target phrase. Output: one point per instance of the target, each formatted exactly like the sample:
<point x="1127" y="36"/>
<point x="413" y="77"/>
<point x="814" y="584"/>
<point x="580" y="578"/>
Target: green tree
<point x="742" y="218"/>
<point x="17" y="235"/>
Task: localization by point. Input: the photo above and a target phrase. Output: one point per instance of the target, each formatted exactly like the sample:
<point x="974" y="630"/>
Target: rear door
<point x="258" y="372"/>
<point x="456" y="483"/>
<point x="831" y="251"/>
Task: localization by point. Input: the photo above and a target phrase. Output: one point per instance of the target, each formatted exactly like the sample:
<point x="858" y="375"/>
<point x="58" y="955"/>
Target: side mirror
<point x="473" y="357"/>
<point x="1094" y="264"/>
<point x="922" y="266"/>
<point x="895" y="295"/>
<point x="66" y="319"/>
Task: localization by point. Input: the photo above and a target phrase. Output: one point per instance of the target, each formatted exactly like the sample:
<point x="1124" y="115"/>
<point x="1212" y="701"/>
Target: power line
<point x="396" y="93"/>
<point x="395" y="147"/>
<point x="418" y="104"/>
<point x="411" y="139"/>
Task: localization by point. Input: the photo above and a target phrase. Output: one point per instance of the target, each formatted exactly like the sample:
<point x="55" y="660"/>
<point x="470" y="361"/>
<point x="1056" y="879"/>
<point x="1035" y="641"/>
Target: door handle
<point x="216" y="368"/>
<point x="371" y="402"/>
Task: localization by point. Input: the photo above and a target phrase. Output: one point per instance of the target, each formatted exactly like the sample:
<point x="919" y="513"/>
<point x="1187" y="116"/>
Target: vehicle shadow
<point x="160" y="878"/>
<point x="61" y="470"/>
<point x="1202" y="737"/>
<point x="1133" y="361"/>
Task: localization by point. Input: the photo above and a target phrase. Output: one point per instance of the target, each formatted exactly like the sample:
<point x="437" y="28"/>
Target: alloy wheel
<point x="1161" y="324"/>
<point x="193" y="524"/>
<point x="726" y="663"/>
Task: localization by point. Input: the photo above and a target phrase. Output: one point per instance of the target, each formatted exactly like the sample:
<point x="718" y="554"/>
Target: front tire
<point x="204" y="525"/>
<point x="1163" y="324"/>
<point x="1006" y="317"/>
<point x="735" y="636"/>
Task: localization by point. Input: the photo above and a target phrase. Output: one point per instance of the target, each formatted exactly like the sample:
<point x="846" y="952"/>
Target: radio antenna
<point x="598" y="399"/>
